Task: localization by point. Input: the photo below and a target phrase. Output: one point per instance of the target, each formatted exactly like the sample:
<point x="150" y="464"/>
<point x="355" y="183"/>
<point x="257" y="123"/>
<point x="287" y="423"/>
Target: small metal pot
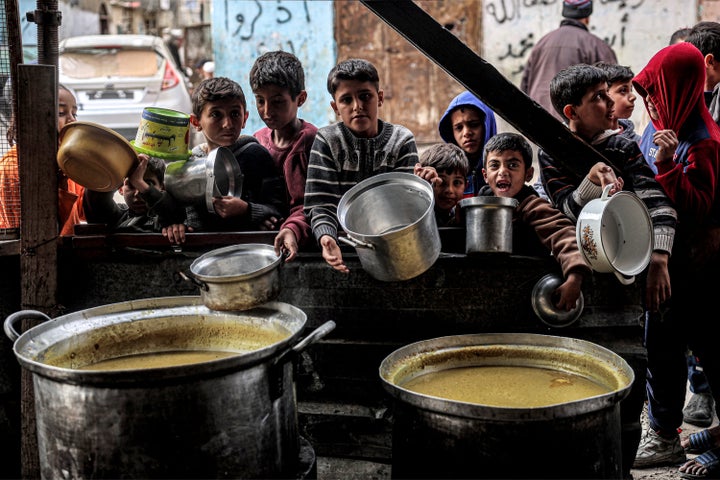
<point x="197" y="181"/>
<point x="488" y="224"/>
<point x="544" y="306"/>
<point x="238" y="277"/>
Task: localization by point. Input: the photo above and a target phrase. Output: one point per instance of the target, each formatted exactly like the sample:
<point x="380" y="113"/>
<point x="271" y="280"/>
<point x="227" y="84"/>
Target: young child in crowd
<point x="357" y="147"/>
<point x="451" y="165"/>
<point x="277" y="80"/>
<point x="683" y="141"/>
<point x="70" y="194"/>
<point x="143" y="192"/>
<point x="620" y="90"/>
<point x="469" y="123"/>
<point x="538" y="227"/>
<point x="580" y="94"/>
<point x="220" y="113"/>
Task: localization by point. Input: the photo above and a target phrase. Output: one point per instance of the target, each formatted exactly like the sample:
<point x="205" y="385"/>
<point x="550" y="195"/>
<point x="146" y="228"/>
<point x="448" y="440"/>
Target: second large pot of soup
<point x="165" y="388"/>
<point x="506" y="406"/>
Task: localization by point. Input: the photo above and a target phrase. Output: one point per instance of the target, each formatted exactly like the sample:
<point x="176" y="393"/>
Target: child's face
<point x="505" y="172"/>
<point x="652" y="111"/>
<point x="594" y="115"/>
<point x="624" y="98"/>
<point x="221" y="122"/>
<point x="357" y="104"/>
<point x="468" y="130"/>
<point x="450" y="191"/>
<point x="132" y="196"/>
<point x="67" y="108"/>
<point x="276" y="107"/>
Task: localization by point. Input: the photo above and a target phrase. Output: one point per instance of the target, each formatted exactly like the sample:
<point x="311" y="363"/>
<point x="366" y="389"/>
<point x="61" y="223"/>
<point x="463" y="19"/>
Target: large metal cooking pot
<point x="615" y="234"/>
<point x="234" y="417"/>
<point x="436" y="437"/>
<point x="389" y="219"/>
<point x="237" y="277"/>
<point x="488" y="224"/>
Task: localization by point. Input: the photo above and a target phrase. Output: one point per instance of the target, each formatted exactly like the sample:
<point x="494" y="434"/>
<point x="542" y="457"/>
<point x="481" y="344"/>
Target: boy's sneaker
<point x="656" y="450"/>
<point x="699" y="410"/>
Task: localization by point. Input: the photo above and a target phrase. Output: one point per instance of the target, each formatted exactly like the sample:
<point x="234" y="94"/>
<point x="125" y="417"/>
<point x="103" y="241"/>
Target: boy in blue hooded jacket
<point x="469" y="124"/>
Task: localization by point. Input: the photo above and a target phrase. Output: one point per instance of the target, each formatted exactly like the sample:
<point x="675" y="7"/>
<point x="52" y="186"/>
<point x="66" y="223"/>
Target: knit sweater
<point x="339" y="160"/>
<point x="292" y="164"/>
<point x="570" y="193"/>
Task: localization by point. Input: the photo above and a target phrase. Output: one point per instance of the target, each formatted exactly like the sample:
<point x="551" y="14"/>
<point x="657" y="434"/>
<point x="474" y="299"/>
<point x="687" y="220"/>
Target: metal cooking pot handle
<point x="356" y="243"/>
<point x="21" y="315"/>
<point x="189" y="277"/>
<point x="314" y="336"/>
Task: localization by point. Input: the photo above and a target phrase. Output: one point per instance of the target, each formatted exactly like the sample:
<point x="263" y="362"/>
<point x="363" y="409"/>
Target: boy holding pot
<point x="580" y="94"/>
<point x="357" y="147"/>
<point x="538" y="227"/>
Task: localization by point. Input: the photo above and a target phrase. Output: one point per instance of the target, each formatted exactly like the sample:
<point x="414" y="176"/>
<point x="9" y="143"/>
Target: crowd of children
<point x="294" y="174"/>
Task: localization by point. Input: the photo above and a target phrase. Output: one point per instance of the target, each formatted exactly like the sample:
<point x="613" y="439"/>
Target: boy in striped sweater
<point x="357" y="147"/>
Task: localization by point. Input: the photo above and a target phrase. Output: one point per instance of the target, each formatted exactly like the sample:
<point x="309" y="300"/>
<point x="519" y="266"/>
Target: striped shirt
<point x="339" y="160"/>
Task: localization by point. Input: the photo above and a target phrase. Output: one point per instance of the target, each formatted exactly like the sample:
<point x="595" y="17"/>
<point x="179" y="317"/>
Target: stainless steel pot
<point x="235" y="417"/>
<point x="238" y="277"/>
<point x="389" y="219"/>
<point x="197" y="181"/>
<point x="440" y="438"/>
<point x="488" y="224"/>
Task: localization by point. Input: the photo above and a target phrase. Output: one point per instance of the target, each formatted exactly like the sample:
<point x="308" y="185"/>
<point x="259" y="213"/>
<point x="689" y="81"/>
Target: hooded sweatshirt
<point x="673" y="81"/>
<point x="467" y="99"/>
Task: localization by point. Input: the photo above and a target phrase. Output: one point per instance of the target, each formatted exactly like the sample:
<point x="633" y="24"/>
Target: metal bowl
<point x="545" y="309"/>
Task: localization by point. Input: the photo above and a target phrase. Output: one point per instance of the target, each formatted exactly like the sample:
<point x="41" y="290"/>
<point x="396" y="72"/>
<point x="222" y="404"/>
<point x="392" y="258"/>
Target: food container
<point x="237" y="277"/>
<point x="488" y="224"/>
<point x="615" y="235"/>
<point x="234" y="417"/>
<point x="436" y="437"/>
<point x="389" y="219"/>
<point x="95" y="156"/>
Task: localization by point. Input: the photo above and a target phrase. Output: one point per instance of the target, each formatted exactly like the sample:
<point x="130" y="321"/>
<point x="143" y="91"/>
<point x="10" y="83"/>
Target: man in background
<point x="570" y="44"/>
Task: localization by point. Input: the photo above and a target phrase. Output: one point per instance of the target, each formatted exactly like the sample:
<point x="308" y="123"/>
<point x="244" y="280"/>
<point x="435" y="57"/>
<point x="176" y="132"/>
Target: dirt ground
<point x="669" y="472"/>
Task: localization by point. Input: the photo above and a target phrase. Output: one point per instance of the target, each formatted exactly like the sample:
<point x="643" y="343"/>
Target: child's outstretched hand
<point x="285" y="242"/>
<point x="332" y="254"/>
<point x="602" y="174"/>
<point x="229" y="206"/>
<point x="569" y="292"/>
<point x="176" y="233"/>
<point x="428" y="173"/>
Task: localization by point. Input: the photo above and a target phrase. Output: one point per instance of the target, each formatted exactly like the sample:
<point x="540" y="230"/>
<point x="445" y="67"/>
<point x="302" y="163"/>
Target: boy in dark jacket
<point x="580" y="94"/>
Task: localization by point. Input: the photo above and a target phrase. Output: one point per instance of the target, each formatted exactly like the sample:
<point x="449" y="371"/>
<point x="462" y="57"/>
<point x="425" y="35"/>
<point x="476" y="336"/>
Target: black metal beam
<point x="487" y="83"/>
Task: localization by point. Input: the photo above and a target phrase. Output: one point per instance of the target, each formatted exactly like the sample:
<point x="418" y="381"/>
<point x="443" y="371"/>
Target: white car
<point x="116" y="76"/>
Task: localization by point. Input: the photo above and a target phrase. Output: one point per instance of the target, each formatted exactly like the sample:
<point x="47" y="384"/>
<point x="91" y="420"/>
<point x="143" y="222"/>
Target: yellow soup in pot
<point x="157" y="360"/>
<point x="502" y="386"/>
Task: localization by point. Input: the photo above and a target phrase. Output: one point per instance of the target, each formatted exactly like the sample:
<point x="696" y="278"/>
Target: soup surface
<point x="502" y="386"/>
<point x="157" y="360"/>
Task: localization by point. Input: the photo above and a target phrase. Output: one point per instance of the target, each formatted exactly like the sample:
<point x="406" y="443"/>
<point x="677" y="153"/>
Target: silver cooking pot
<point x="436" y="437"/>
<point x="389" y="219"/>
<point x="234" y="417"/>
<point x="237" y="277"/>
<point x="198" y="180"/>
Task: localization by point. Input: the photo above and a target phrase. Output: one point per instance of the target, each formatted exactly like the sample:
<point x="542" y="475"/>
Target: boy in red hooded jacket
<point x="683" y="143"/>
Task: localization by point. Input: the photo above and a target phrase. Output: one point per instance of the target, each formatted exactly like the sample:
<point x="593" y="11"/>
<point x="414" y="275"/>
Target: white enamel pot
<point x="615" y="235"/>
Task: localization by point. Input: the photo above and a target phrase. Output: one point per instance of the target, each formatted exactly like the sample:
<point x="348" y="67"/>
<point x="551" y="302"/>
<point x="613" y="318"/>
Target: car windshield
<point x="102" y="62"/>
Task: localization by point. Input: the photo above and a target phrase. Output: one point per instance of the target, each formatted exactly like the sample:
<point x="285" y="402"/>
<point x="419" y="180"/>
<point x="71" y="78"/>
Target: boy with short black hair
<point x="620" y="89"/>
<point x="538" y="227"/>
<point x="451" y="165"/>
<point x="357" y="147"/>
<point x="277" y="80"/>
<point x="220" y="113"/>
<point x="580" y="94"/>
